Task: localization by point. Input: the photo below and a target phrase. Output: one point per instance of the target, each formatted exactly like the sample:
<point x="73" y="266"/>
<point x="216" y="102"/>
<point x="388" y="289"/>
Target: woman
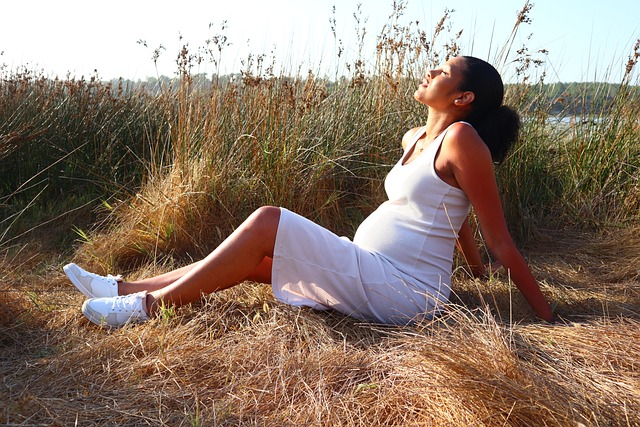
<point x="398" y="267"/>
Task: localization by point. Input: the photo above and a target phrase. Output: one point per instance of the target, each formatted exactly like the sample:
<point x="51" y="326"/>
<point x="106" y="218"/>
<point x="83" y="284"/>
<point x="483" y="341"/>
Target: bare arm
<point x="470" y="163"/>
<point x="469" y="249"/>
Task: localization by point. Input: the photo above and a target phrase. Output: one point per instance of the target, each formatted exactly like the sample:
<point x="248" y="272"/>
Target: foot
<point x="90" y="284"/>
<point x="118" y="311"/>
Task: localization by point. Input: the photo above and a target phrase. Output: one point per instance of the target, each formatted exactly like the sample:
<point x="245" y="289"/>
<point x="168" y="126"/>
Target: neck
<point x="438" y="122"/>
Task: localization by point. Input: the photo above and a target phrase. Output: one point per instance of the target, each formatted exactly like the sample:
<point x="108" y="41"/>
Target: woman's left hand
<point x="491" y="268"/>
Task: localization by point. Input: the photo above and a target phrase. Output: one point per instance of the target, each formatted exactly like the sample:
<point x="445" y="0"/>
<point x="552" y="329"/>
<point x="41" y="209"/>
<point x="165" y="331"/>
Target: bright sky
<point x="587" y="39"/>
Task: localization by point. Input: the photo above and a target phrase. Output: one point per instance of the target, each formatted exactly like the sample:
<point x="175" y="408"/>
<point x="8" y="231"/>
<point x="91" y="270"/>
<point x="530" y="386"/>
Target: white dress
<point x="397" y="269"/>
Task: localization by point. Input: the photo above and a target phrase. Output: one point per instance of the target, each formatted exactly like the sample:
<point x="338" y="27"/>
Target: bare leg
<point x="154" y="283"/>
<point x="262" y="274"/>
<point x="245" y="255"/>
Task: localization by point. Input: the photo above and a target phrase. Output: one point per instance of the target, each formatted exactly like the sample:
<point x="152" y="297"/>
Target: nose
<point x="433" y="73"/>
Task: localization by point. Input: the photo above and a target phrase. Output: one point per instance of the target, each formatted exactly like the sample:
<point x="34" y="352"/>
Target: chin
<point x="418" y="98"/>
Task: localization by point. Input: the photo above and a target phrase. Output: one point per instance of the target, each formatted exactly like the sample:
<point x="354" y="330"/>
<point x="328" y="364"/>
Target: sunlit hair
<point x="498" y="125"/>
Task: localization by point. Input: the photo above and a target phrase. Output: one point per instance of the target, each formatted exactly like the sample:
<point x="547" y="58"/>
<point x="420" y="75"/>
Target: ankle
<point x="149" y="304"/>
<point x="126" y="288"/>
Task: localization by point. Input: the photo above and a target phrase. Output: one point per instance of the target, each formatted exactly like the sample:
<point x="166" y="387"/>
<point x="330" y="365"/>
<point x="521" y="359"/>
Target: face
<point x="440" y="88"/>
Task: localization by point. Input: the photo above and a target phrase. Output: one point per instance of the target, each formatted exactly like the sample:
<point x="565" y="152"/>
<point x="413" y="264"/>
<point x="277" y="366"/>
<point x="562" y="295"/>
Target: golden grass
<point x="240" y="358"/>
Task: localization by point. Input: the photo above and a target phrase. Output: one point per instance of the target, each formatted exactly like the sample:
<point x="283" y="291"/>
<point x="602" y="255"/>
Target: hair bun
<point x="499" y="129"/>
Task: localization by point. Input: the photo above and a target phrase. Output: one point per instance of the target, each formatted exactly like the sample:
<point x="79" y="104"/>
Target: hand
<point x="488" y="270"/>
<point x="492" y="267"/>
<point x="557" y="321"/>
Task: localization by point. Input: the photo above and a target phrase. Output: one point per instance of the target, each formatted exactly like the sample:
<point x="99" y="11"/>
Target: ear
<point x="465" y="98"/>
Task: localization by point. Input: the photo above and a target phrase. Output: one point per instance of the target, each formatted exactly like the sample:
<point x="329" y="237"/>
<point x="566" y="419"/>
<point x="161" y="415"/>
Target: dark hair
<point x="498" y="125"/>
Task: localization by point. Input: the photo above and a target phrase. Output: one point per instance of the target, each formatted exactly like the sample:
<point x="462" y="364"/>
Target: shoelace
<point x="131" y="302"/>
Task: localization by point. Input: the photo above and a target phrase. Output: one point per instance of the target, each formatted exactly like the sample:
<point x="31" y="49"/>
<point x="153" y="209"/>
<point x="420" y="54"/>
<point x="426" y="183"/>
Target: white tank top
<point x="417" y="227"/>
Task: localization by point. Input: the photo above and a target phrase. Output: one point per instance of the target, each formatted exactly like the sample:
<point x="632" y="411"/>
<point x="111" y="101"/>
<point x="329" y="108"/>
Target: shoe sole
<point x="95" y="317"/>
<point x="76" y="282"/>
<point x="101" y="321"/>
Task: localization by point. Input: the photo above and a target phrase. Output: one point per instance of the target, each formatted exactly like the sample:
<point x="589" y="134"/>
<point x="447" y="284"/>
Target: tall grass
<point x="183" y="163"/>
<point x="580" y="172"/>
<point x="69" y="144"/>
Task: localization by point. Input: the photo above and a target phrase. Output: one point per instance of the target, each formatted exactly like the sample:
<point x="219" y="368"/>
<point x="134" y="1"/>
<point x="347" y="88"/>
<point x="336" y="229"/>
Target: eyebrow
<point x="448" y="67"/>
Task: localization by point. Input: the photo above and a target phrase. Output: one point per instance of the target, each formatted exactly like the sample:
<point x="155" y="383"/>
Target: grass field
<point x="138" y="180"/>
<point x="239" y="358"/>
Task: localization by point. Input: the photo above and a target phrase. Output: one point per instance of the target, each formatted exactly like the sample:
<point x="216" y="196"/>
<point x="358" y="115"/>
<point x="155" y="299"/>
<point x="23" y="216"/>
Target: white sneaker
<point x="90" y="284"/>
<point x="116" y="311"/>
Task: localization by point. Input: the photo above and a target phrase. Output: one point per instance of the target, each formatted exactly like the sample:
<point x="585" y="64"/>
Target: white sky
<point x="587" y="39"/>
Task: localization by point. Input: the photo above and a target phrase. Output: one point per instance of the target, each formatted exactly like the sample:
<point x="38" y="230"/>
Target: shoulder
<point x="409" y="135"/>
<point x="465" y="156"/>
<point x="463" y="141"/>
<point x="462" y="131"/>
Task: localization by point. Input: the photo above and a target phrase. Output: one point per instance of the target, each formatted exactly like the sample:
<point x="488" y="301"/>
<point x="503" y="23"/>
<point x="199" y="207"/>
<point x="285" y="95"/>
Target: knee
<point x="265" y="218"/>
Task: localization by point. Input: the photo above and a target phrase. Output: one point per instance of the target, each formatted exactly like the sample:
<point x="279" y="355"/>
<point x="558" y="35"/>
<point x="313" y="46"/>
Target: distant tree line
<point x="558" y="99"/>
<point x="573" y="99"/>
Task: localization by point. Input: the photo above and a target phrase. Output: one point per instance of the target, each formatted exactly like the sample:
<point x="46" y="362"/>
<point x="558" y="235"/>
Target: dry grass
<point x="240" y="358"/>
